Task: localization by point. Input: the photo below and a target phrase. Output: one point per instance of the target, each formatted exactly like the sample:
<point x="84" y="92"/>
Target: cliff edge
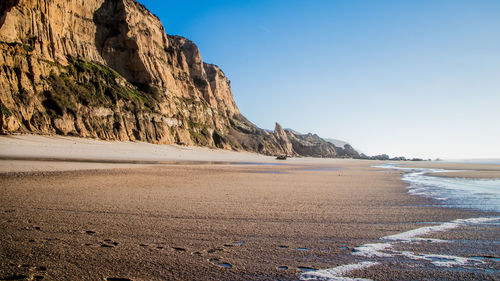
<point x="106" y="69"/>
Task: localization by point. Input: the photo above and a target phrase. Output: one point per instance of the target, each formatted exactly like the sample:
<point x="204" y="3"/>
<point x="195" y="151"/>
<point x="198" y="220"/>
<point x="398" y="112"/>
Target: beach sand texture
<point x="460" y="170"/>
<point x="213" y="221"/>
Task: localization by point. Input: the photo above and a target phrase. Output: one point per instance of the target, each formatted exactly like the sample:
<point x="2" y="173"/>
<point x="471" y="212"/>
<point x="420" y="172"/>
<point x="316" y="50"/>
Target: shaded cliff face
<point x="107" y="69"/>
<point x="138" y="82"/>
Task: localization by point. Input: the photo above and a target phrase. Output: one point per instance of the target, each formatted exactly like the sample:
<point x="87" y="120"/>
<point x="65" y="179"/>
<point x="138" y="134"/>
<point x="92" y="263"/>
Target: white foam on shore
<point x="373" y="250"/>
<point x="441" y="260"/>
<point x="335" y="274"/>
<point x="411" y="236"/>
<point x="479" y="194"/>
<point x="385" y="249"/>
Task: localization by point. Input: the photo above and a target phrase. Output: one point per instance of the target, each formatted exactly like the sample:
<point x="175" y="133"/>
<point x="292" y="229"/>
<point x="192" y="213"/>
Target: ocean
<point x="416" y="248"/>
<point x="475" y="194"/>
<point x="475" y="161"/>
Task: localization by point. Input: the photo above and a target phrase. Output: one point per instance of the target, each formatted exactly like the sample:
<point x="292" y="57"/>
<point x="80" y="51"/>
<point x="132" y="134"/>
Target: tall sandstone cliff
<point x="106" y="69"/>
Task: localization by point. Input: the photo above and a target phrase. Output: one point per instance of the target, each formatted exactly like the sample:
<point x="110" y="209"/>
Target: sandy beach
<point x="73" y="209"/>
<point x="460" y="170"/>
<point x="25" y="153"/>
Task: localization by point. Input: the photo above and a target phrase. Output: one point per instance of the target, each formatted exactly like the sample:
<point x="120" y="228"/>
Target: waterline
<point x="475" y="194"/>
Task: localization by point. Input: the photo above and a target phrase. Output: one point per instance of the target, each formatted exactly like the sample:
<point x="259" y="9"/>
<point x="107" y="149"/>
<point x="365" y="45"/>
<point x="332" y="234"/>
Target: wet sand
<point x="470" y="174"/>
<point x="460" y="170"/>
<point x="101" y="219"/>
<point x="204" y="222"/>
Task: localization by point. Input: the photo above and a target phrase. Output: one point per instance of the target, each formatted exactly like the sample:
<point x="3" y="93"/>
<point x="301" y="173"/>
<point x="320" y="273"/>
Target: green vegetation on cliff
<point x="92" y="84"/>
<point x="123" y="78"/>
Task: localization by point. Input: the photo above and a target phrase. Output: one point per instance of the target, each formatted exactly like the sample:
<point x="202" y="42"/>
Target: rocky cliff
<point x="106" y="69"/>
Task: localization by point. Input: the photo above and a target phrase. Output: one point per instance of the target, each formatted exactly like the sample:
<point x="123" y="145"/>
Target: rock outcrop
<point x="283" y="140"/>
<point x="106" y="69"/>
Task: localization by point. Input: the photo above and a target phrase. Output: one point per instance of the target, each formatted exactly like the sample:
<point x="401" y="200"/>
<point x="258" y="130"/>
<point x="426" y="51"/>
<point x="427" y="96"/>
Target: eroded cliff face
<point x="107" y="69"/>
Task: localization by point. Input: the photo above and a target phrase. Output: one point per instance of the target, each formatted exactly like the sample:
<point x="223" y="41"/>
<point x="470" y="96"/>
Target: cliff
<point x="106" y="69"/>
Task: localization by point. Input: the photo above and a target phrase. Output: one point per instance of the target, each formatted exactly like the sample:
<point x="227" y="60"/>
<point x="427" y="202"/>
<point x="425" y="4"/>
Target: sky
<point x="405" y="78"/>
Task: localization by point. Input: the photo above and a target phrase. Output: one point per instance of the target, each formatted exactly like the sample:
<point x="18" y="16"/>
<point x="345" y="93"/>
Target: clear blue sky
<point x="413" y="78"/>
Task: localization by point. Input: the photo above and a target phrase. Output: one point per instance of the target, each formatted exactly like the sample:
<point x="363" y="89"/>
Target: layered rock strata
<point x="106" y="69"/>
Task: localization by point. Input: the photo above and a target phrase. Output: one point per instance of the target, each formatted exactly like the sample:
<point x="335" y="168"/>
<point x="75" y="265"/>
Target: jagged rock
<point x="106" y="69"/>
<point x="282" y="137"/>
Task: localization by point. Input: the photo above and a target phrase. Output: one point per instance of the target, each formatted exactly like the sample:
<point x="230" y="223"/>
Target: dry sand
<point x="22" y="153"/>
<point x="185" y="222"/>
<point x="31" y="153"/>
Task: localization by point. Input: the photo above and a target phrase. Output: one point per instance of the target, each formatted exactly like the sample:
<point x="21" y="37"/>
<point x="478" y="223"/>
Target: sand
<point x="470" y="174"/>
<point x="31" y="153"/>
<point x="201" y="220"/>
<point x="24" y="152"/>
<point x="459" y="170"/>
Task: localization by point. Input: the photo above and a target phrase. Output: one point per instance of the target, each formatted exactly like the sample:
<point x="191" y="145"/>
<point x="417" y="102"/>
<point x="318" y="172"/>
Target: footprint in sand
<point x="226" y="265"/>
<point x="283" y="267"/>
<point x="108" y="243"/>
<point x="232" y="244"/>
<point x="306" y="269"/>
<point x="216" y="261"/>
<point x="35" y="275"/>
<point x="15" y="277"/>
<point x="214" y="250"/>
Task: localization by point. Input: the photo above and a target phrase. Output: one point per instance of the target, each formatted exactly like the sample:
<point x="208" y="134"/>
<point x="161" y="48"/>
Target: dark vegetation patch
<point x="5" y="111"/>
<point x="93" y="84"/>
<point x="18" y="46"/>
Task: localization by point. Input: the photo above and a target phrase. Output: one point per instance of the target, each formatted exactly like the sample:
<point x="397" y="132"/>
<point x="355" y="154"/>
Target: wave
<point x="451" y="192"/>
<point x="476" y="194"/>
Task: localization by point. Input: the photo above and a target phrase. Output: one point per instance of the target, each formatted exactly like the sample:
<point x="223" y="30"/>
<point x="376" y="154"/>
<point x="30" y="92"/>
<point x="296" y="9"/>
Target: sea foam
<point x="477" y="194"/>
<point x="385" y="249"/>
<point x="465" y="193"/>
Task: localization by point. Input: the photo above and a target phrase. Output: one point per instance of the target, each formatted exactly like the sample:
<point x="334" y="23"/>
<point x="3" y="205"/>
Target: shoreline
<point x="230" y="221"/>
<point x="162" y="217"/>
<point x="469" y="174"/>
<point x="460" y="170"/>
<point x="30" y="153"/>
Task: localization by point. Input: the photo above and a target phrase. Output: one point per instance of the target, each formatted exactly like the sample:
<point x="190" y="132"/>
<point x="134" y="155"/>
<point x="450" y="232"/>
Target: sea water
<point x="475" y="161"/>
<point x="477" y="194"/>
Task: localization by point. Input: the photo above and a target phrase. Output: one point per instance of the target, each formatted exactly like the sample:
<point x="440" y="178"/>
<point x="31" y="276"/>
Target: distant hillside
<point x="339" y="143"/>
